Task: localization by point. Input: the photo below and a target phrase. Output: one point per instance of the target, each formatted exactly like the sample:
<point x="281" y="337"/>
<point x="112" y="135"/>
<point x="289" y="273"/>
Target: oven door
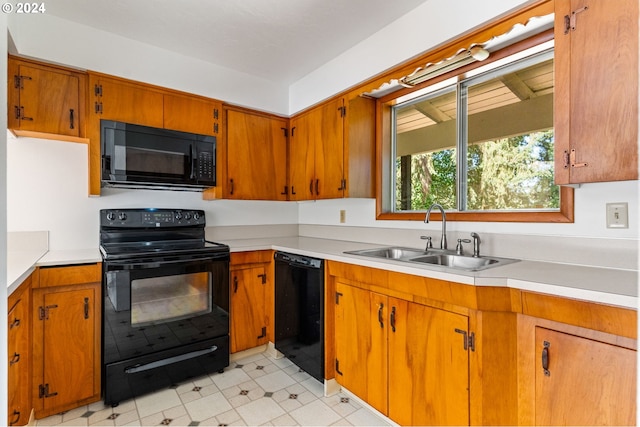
<point x="163" y="319"/>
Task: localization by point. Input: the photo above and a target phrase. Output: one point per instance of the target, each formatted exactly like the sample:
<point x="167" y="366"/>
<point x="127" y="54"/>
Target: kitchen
<point x="71" y="217"/>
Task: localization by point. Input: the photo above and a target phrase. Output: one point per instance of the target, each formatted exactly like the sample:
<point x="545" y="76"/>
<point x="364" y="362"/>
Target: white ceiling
<point x="279" y="40"/>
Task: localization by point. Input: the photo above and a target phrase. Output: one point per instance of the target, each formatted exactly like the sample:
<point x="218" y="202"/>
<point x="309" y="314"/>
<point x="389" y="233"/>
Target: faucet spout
<point x="443" y="239"/>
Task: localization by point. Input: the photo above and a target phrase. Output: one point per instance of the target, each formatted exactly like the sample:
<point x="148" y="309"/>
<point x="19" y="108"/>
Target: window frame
<point x="384" y="152"/>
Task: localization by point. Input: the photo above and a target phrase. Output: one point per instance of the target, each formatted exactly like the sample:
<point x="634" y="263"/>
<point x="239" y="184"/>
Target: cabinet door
<point x="428" y="365"/>
<point x="326" y="136"/>
<point x="360" y="148"/>
<point x="65" y="332"/>
<point x="49" y="101"/>
<point x="583" y="382"/>
<point x="125" y="102"/>
<point x="596" y="102"/>
<point x="256" y="156"/>
<point x="361" y="344"/>
<point x="191" y="114"/>
<point x="248" y="308"/>
<point x="301" y="160"/>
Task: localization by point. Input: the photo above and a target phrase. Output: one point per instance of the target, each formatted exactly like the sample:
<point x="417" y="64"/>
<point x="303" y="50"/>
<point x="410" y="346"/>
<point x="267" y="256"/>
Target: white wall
<point x="590" y="215"/>
<point x="47" y="190"/>
<point x="57" y="40"/>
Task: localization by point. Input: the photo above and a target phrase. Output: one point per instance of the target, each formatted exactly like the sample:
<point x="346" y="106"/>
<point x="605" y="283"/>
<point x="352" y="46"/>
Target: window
<point x="479" y="142"/>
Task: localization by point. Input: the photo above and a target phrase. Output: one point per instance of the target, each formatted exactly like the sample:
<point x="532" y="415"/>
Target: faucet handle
<point x="459" y="249"/>
<point x="428" y="239"/>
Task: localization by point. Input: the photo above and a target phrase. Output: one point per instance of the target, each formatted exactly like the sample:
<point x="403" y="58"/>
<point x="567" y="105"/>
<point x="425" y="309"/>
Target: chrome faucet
<point x="476" y="244"/>
<point x="443" y="239"/>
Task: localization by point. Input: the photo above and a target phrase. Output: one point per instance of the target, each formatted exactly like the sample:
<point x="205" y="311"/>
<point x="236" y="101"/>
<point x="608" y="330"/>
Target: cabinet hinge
<point x="263" y="332"/>
<point x="215" y="128"/>
<point x="570" y="20"/>
<point x="17" y="112"/>
<point x="17" y="82"/>
<point x="338" y="295"/>
<point x="338" y="368"/>
<point x="97" y="90"/>
<point x="43" y="391"/>
<point x="43" y="312"/>
<point x="98" y="107"/>
<point x="468" y="340"/>
<point x="215" y="113"/>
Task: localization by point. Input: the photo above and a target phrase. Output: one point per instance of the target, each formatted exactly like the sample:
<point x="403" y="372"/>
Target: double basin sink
<point x="435" y="257"/>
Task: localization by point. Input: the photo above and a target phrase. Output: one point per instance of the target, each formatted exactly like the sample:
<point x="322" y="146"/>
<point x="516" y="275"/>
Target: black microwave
<point x="137" y="156"/>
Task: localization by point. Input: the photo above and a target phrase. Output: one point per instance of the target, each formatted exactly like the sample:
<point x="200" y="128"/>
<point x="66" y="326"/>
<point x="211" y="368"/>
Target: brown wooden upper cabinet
<point x="332" y="151"/>
<point x="45" y="100"/>
<point x="596" y="100"/>
<point x="124" y="101"/>
<point x="192" y="114"/>
<point x="256" y="156"/>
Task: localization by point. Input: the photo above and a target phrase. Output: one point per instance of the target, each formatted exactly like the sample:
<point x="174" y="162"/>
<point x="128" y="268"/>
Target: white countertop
<point x="602" y="285"/>
<point x="21" y="263"/>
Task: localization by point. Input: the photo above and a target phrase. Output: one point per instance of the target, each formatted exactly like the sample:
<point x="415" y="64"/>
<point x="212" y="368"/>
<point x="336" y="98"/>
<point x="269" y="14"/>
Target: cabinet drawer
<point x="70" y="275"/>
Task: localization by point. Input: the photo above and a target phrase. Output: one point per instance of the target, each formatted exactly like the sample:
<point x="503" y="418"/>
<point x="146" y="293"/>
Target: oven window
<point x="168" y="298"/>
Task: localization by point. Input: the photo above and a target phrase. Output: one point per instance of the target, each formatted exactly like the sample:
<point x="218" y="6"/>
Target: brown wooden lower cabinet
<point x="431" y="352"/>
<point x="18" y="367"/>
<point x="407" y="360"/>
<point x="66" y="338"/>
<point x="581" y="381"/>
<point x="251" y="294"/>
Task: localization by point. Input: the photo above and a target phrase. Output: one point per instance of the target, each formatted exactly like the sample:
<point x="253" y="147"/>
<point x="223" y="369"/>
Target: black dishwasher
<point x="299" y="304"/>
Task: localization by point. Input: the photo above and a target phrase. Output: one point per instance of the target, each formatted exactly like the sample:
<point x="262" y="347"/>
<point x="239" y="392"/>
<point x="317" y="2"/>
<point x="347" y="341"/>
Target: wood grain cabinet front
<point x="332" y="151"/>
<point x="66" y="340"/>
<point x="18" y="364"/>
<point x="192" y="114"/>
<point x="252" y="299"/>
<point x="581" y="381"/>
<point x="45" y="101"/>
<point x="596" y="100"/>
<point x="407" y="360"/>
<point x="256" y="154"/>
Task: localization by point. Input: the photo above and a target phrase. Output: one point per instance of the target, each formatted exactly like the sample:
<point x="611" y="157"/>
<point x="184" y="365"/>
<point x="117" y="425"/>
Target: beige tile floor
<point x="254" y="390"/>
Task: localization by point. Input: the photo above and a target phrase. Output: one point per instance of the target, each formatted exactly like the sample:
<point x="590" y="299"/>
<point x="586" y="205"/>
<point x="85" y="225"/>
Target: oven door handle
<point x="168" y="361"/>
<point x="131" y="264"/>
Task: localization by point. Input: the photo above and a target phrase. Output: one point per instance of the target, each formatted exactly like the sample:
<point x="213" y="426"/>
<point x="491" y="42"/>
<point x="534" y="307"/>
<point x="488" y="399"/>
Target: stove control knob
<point x="196" y="216"/>
<point x="187" y="215"/>
<point x="122" y="216"/>
<point x="111" y="216"/>
<point x="178" y="216"/>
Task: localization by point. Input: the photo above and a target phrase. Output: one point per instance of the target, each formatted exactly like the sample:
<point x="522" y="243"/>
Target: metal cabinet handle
<point x="235" y="284"/>
<point x="286" y="191"/>
<point x="317" y="187"/>
<point x="545" y="358"/>
<point x="71" y="124"/>
<point x="392" y="320"/>
<point x="380" y="319"/>
<point x="311" y="186"/>
<point x="86" y="308"/>
<point x="293" y="190"/>
<point x="231" y="186"/>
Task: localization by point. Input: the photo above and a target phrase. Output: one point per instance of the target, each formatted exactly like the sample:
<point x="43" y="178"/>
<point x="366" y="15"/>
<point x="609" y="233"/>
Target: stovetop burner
<point x="136" y="233"/>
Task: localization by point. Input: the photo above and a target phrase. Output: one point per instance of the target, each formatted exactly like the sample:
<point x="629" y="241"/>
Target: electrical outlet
<point x="617" y="215"/>
<point x="343" y="216"/>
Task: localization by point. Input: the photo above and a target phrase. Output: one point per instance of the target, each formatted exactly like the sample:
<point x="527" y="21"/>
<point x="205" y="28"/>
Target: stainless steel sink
<point x="435" y="257"/>
<point x="390" y="252"/>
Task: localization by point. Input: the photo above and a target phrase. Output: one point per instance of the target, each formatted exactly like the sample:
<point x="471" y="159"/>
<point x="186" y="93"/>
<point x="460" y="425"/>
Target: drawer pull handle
<point x="380" y="307"/>
<point x="86" y="308"/>
<point x="392" y="321"/>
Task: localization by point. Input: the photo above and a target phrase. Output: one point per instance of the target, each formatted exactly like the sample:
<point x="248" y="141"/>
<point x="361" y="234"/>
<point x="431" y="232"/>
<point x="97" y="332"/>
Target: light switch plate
<point x="343" y="216"/>
<point x="617" y="215"/>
